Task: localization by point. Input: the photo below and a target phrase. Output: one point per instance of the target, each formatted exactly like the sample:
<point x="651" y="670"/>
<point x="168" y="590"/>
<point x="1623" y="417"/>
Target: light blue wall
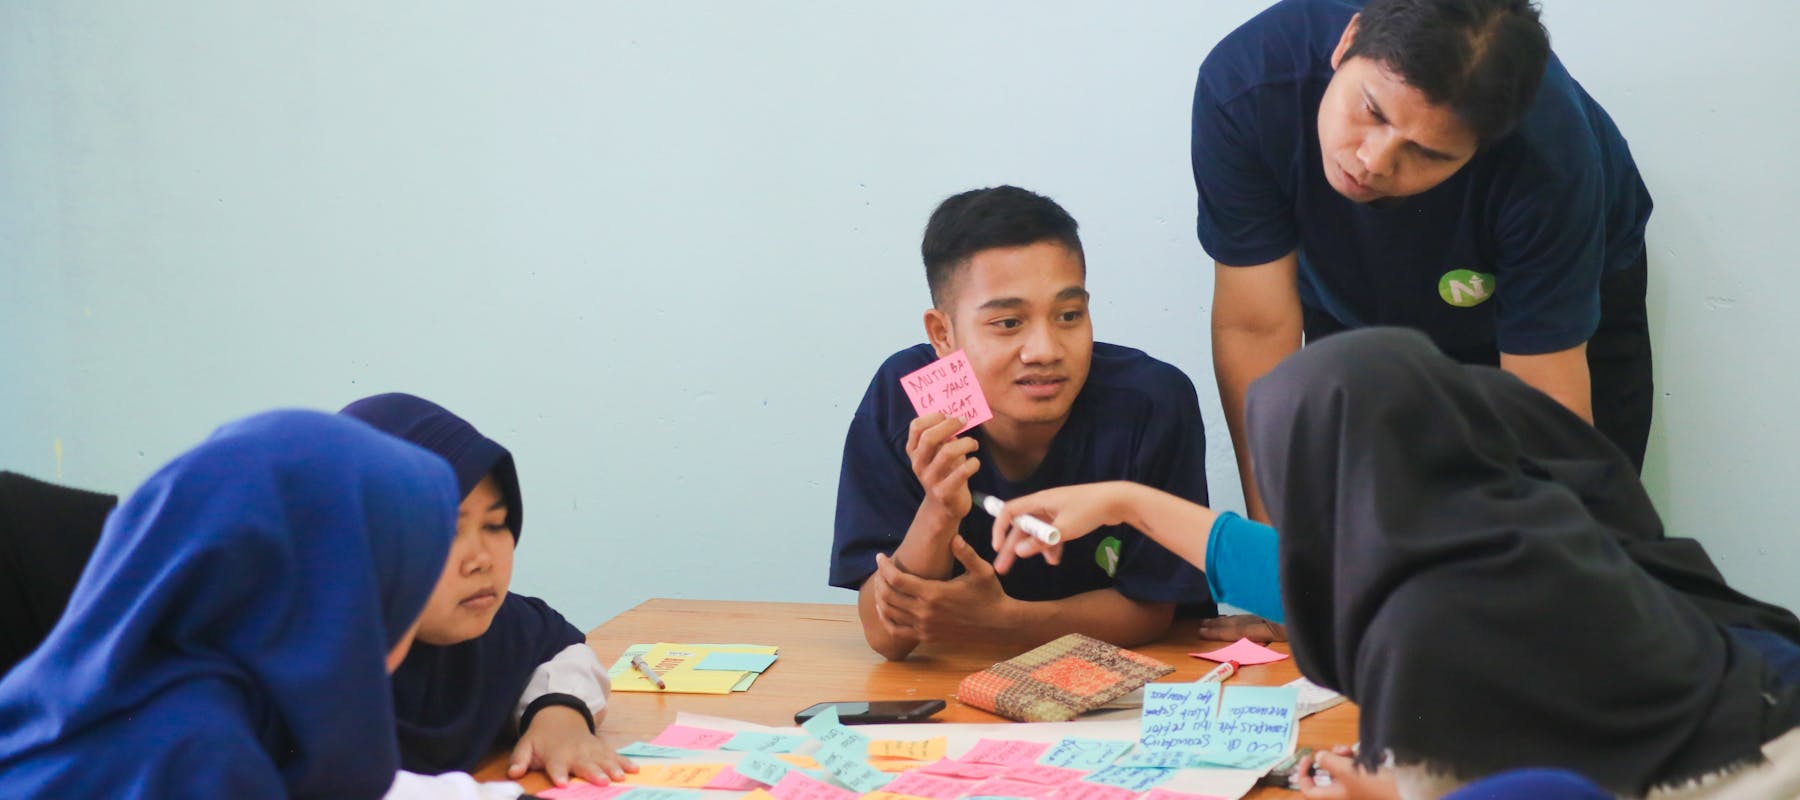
<point x="658" y="248"/>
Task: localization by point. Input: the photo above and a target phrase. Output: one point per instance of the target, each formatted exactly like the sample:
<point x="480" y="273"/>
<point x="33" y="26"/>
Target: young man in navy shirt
<point x="1008" y="287"/>
<point x="1424" y="163"/>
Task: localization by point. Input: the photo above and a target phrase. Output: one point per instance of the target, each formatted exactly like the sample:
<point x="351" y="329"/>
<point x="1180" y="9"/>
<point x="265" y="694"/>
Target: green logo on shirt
<point x="1108" y="555"/>
<point x="1466" y="288"/>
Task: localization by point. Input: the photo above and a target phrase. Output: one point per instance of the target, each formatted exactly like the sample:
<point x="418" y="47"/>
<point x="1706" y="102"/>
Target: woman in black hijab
<point x="1480" y="572"/>
<point x="47" y="533"/>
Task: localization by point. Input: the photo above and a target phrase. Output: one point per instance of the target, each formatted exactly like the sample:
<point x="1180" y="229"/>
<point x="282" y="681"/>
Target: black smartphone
<point x="1281" y="775"/>
<point x="869" y="712"/>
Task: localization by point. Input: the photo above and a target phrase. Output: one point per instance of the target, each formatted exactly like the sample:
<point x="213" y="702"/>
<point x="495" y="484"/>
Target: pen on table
<point x="1039" y="529"/>
<point x="637" y="662"/>
<point x="1219" y="673"/>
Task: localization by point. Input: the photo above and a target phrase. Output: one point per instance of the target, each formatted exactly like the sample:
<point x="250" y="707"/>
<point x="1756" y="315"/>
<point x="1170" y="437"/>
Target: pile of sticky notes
<point x="693" y="668"/>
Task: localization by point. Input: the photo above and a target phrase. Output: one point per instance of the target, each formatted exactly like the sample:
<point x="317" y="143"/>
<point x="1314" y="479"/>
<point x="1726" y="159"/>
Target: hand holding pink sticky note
<point x="947" y="386"/>
<point x="1243" y="651"/>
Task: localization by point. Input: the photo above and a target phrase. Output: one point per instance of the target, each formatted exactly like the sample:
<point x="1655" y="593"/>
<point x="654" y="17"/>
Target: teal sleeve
<point x="1242" y="567"/>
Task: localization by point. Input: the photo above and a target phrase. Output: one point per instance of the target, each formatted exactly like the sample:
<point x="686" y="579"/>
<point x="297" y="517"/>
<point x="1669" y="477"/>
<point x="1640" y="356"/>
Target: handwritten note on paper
<point x="918" y="750"/>
<point x="1255" y="721"/>
<point x="647" y="750"/>
<point x="948" y="386"/>
<point x="579" y="789"/>
<point x="964" y="769"/>
<point x="1163" y="759"/>
<point x="763" y="767"/>
<point x="659" y="794"/>
<point x="689" y="738"/>
<point x="1042" y="774"/>
<point x="1005" y="752"/>
<point x="826" y="728"/>
<point x="937" y="787"/>
<point x="687" y="776"/>
<point x="731" y="780"/>
<point x="851" y="769"/>
<point x="1137" y="779"/>
<point x="1243" y="651"/>
<point x="1082" y="790"/>
<point x="1178" y="716"/>
<point x="757" y="741"/>
<point x="1165" y="794"/>
<point x="1084" y="754"/>
<point x="1002" y="787"/>
<point x="797" y="786"/>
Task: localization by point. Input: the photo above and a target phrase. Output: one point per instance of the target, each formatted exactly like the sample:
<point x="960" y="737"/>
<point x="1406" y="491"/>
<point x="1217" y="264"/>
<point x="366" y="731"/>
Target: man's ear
<point x="937" y="331"/>
<point x="1337" y="56"/>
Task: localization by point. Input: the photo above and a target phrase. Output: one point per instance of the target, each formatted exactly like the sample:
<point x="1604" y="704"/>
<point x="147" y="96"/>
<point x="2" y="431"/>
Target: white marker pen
<point x="1039" y="529"/>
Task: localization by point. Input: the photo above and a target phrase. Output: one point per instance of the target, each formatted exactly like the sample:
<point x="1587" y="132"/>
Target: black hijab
<point x="47" y="533"/>
<point x="1457" y="558"/>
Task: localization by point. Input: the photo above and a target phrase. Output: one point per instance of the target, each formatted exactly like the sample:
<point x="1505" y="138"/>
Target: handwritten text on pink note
<point x="1082" y="790"/>
<point x="1043" y="774"/>
<point x="798" y="786"/>
<point x="1005" y="751"/>
<point x="692" y="738"/>
<point x="962" y="769"/>
<point x="919" y="784"/>
<point x="1243" y="651"/>
<point x="732" y="781"/>
<point x="948" y="386"/>
<point x="1001" y="787"/>
<point x="579" y="789"/>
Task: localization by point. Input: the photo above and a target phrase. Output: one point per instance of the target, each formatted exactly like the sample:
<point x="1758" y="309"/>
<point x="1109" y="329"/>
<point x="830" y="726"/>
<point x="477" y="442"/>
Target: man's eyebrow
<point x="1003" y="302"/>
<point x="1375" y="108"/>
<point x="1072" y="293"/>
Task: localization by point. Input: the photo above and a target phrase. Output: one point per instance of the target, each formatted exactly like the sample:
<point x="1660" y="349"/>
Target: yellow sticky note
<point x="886" y="764"/>
<point x="799" y="760"/>
<point x="758" y="794"/>
<point x="674" y="663"/>
<point x="686" y="776"/>
<point x="917" y="750"/>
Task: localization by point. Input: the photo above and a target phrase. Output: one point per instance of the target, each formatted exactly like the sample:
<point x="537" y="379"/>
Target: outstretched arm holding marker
<point x="1239" y="555"/>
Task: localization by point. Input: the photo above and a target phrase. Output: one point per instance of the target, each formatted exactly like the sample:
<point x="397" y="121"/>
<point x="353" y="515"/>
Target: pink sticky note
<point x="948" y="386"/>
<point x="1001" y="787"/>
<point x="962" y="769"/>
<point x="1082" y="790"/>
<point x="579" y="789"/>
<point x="919" y="784"/>
<point x="1005" y="751"/>
<point x="689" y="738"/>
<point x="797" y="785"/>
<point x="1244" y="652"/>
<point x="1043" y="774"/>
<point x="1165" y="794"/>
<point x="730" y="780"/>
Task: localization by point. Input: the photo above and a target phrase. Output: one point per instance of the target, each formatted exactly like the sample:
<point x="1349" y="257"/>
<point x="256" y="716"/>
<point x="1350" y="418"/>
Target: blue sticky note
<point x="1239" y="761"/>
<point x="852" y="769"/>
<point x="1162" y="759"/>
<point x="1179" y="716"/>
<point x="757" y="741"/>
<point x="826" y="728"/>
<point x="1084" y="754"/>
<point x="1137" y="779"/>
<point x="763" y="767"/>
<point x="1254" y="721"/>
<point x="648" y="750"/>
<point x="659" y="793"/>
<point x="736" y="662"/>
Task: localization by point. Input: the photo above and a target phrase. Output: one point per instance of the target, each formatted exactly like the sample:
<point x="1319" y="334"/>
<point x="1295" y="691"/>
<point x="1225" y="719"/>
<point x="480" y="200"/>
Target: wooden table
<point x="824" y="657"/>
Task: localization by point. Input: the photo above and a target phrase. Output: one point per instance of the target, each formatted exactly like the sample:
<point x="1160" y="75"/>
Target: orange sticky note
<point x="686" y="776"/>
<point x="799" y="760"/>
<point x="918" y="750"/>
<point x="887" y="764"/>
<point x="948" y="386"/>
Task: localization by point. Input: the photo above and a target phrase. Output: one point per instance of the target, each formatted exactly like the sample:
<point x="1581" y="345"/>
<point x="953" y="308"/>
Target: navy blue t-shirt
<point x="1135" y="419"/>
<point x="1543" y="213"/>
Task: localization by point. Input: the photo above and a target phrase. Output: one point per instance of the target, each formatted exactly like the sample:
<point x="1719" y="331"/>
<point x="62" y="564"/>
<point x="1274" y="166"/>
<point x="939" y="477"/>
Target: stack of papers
<point x="693" y="668"/>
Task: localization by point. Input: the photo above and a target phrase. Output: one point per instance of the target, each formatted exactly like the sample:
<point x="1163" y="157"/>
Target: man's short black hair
<point x="1484" y="59"/>
<point x="983" y="219"/>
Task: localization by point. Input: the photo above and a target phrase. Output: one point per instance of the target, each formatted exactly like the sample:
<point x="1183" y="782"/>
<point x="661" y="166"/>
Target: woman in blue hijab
<point x="228" y="636"/>
<point x="491" y="668"/>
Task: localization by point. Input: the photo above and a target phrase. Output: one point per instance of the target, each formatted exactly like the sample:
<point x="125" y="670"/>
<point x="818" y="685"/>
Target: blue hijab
<point x="229" y="636"/>
<point x="454" y="703"/>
